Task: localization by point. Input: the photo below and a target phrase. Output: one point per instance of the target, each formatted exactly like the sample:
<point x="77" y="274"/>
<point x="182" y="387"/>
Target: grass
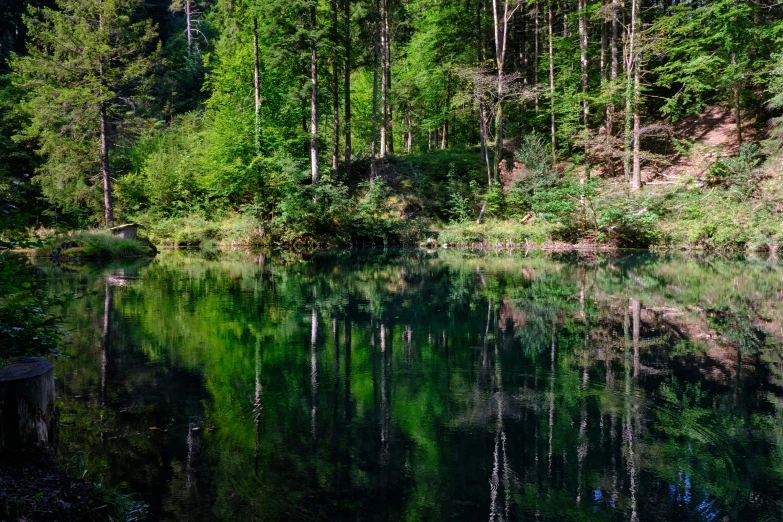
<point x="496" y="232"/>
<point x="94" y="244"/>
<point x="192" y="229"/>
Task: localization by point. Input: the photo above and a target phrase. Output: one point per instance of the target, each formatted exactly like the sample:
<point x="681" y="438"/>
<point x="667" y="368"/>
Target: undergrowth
<point x="94" y="244"/>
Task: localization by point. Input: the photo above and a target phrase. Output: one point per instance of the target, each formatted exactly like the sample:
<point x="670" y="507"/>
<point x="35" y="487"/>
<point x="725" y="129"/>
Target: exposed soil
<point x="711" y="135"/>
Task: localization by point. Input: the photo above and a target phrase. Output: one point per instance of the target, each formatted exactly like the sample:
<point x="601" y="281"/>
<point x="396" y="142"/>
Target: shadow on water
<point x="404" y="384"/>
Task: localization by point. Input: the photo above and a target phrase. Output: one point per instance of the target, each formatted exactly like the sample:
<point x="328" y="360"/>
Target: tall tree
<point x="552" y="81"/>
<point x="313" y="95"/>
<point x="85" y="77"/>
<point x="631" y="153"/>
<point x="384" y="72"/>
<point x="347" y="87"/>
<point x="335" y="89"/>
<point x="501" y="15"/>
<point x="256" y="84"/>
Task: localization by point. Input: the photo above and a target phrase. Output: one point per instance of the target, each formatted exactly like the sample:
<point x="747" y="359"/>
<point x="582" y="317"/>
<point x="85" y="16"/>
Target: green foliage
<point x="629" y="227"/>
<point x="85" y="58"/>
<point x="94" y="245"/>
<point x="543" y="190"/>
<point x="739" y="173"/>
<point x="27" y="325"/>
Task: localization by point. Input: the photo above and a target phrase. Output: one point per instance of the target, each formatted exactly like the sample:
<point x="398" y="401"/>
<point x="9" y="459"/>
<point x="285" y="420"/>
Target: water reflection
<point x="448" y="386"/>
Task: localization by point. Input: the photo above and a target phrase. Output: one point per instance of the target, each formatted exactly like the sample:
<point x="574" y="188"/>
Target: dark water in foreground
<point x="401" y="385"/>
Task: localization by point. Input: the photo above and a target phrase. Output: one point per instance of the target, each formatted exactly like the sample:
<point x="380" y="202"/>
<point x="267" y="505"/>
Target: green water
<point x="404" y="385"/>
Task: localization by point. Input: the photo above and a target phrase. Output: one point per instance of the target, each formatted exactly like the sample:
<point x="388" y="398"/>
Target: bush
<point x="543" y="190"/>
<point x="97" y="244"/>
<point x="739" y="173"/>
<point x="629" y="228"/>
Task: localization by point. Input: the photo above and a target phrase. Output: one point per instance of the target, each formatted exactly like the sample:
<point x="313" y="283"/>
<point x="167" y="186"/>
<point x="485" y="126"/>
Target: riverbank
<point x="662" y="218"/>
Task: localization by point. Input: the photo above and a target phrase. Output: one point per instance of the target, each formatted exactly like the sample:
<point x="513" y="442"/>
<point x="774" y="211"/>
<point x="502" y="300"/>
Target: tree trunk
<point x="603" y="67"/>
<point x="629" y="95"/>
<point x="107" y="203"/>
<point x="585" y="108"/>
<point x="313" y="103"/>
<point x="387" y="61"/>
<point x="535" y="57"/>
<point x="632" y="100"/>
<point x="335" y="95"/>
<point x="382" y="30"/>
<point x="257" y="84"/>
<point x="445" y="136"/>
<point x="613" y="70"/>
<point x="188" y="28"/>
<point x="374" y="114"/>
<point x="347" y="87"/>
<point x="483" y="133"/>
<point x="552" y="83"/>
<point x="501" y="30"/>
<point x="482" y="105"/>
<point x="29" y="419"/>
<point x="637" y="171"/>
<point x="409" y="140"/>
<point x="736" y="102"/>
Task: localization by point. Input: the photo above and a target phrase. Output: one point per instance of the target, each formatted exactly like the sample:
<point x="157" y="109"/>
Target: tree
<point x="501" y="17"/>
<point x="347" y="88"/>
<point x="708" y="50"/>
<point x="85" y="77"/>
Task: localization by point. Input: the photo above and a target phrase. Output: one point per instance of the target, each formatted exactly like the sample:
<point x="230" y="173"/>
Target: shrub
<point x="739" y="173"/>
<point x="543" y="190"/>
<point x="629" y="228"/>
<point x="95" y="244"/>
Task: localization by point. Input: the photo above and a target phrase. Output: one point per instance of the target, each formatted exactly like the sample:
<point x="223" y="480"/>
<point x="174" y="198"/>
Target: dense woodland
<point x="301" y="122"/>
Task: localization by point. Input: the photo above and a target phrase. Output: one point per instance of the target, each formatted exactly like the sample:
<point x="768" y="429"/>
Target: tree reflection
<point x="546" y="387"/>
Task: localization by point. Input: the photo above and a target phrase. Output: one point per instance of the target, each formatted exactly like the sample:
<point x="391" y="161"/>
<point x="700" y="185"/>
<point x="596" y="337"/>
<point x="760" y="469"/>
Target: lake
<point x="390" y="385"/>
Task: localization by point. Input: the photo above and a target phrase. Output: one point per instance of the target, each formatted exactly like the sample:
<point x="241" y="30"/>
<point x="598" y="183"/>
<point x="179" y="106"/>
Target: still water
<point x="399" y="385"/>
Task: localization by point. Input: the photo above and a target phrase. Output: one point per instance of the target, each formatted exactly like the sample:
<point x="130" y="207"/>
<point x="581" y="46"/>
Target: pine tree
<point x="85" y="77"/>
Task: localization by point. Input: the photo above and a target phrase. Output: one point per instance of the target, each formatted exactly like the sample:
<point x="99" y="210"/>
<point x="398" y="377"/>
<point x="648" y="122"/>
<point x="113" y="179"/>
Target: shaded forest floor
<point x="42" y="492"/>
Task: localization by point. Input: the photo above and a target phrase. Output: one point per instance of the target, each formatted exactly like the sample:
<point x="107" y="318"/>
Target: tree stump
<point x="29" y="419"/>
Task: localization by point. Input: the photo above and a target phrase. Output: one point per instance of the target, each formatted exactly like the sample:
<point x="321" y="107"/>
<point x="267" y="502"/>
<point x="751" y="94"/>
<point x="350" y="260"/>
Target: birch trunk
<point x="257" y="85"/>
<point x="313" y="104"/>
<point x="552" y="83"/>
<point x="374" y="115"/>
<point x="188" y="28"/>
<point x="637" y="171"/>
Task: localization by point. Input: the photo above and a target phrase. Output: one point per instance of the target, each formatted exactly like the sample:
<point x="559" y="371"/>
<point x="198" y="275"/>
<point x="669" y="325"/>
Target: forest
<point x="305" y="123"/>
